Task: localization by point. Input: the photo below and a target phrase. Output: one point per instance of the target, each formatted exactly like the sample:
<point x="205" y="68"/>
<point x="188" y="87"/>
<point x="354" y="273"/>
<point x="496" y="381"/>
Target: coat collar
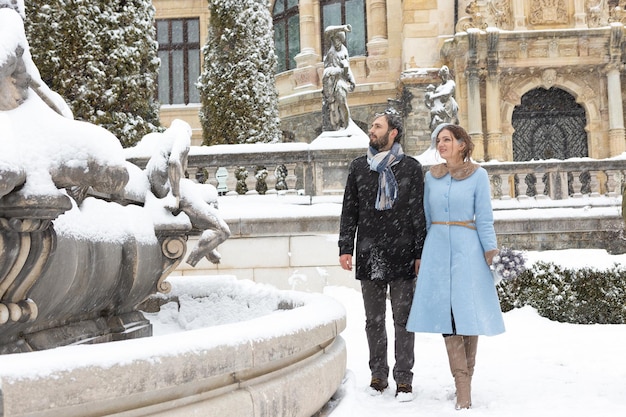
<point x="459" y="173"/>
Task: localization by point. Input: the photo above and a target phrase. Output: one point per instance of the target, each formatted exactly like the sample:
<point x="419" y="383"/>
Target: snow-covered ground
<point x="537" y="368"/>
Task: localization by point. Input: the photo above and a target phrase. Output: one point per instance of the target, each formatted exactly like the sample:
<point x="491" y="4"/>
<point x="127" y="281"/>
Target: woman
<point x="455" y="294"/>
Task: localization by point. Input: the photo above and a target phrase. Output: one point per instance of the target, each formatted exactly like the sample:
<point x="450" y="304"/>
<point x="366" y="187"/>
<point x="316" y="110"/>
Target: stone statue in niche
<point x="440" y="100"/>
<point x="337" y="79"/>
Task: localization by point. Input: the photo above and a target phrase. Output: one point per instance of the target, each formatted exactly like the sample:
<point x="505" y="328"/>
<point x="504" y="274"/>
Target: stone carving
<point x="440" y="100"/>
<point x="337" y="80"/>
<point x="281" y="177"/>
<point x="548" y="78"/>
<point x="166" y="171"/>
<point x="597" y="13"/>
<point x="85" y="236"/>
<point x="475" y="18"/>
<point x="42" y="165"/>
<point x="261" y="174"/>
<point x="617" y="13"/>
<point x="543" y="12"/>
<point x="241" y="173"/>
<point x="484" y="14"/>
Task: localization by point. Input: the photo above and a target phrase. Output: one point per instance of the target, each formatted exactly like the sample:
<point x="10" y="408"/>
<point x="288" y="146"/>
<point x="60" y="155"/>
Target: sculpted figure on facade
<point x="337" y="79"/>
<point x="543" y="12"/>
<point x="440" y="100"/>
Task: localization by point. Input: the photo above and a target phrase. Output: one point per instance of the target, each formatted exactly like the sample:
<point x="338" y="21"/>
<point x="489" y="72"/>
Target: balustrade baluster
<point x="575" y="185"/>
<point x="496" y="186"/>
<point x="291" y="176"/>
<point x="602" y="180"/>
<point x="508" y="189"/>
<point x="221" y="175"/>
<point x="281" y="173"/>
<point x="617" y="183"/>
<point x="585" y="181"/>
<point x="521" y="185"/>
<point x="260" y="174"/>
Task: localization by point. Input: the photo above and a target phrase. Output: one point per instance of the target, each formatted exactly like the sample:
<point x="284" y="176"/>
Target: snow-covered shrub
<point x="237" y="84"/>
<point x="582" y="296"/>
<point x="101" y="57"/>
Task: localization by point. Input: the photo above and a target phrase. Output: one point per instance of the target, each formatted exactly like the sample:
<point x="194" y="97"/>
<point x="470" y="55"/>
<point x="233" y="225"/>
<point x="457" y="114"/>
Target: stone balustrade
<point x="317" y="171"/>
<point x="557" y="180"/>
<point x="309" y="169"/>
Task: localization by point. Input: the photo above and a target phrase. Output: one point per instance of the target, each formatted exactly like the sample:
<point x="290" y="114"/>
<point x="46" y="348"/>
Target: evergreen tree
<point x="237" y="85"/>
<point x="101" y="56"/>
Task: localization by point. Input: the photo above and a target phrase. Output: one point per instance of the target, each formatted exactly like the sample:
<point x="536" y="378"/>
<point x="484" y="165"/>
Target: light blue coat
<point x="454" y="275"/>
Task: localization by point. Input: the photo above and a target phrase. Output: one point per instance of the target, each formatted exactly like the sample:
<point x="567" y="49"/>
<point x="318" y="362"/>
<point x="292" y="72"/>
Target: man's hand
<point x="345" y="261"/>
<point x="417" y="266"/>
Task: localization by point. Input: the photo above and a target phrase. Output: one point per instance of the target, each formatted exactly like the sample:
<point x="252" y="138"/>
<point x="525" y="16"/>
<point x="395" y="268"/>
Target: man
<point x="383" y="207"/>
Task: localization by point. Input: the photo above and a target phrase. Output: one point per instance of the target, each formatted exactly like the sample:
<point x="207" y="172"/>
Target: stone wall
<point x="302" y="253"/>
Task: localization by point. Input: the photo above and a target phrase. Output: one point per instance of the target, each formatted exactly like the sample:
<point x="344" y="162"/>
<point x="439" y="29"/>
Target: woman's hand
<point x="490" y="254"/>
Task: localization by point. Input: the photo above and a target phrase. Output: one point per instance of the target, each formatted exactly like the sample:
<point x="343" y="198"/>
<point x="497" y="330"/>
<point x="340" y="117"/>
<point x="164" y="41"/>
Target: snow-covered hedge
<point x="582" y="296"/>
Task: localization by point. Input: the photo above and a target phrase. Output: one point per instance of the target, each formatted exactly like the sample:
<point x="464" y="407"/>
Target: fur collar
<point x="459" y="173"/>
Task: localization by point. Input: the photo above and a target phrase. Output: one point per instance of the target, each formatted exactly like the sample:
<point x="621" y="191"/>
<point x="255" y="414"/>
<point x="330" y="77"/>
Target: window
<point x="286" y="33"/>
<point x="179" y="51"/>
<point x="341" y="12"/>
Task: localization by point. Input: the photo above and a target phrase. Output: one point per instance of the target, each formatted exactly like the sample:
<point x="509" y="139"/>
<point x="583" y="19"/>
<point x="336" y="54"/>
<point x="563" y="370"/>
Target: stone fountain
<point x="86" y="237"/>
<point x="83" y="242"/>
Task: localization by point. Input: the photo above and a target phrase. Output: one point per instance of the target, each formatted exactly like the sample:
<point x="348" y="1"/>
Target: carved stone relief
<point x="548" y="12"/>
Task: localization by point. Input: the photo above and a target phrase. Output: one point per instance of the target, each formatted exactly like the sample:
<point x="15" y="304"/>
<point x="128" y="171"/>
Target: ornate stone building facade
<point x="535" y="79"/>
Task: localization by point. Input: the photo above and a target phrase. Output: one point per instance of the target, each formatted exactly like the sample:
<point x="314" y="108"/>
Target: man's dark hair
<point x="394" y="120"/>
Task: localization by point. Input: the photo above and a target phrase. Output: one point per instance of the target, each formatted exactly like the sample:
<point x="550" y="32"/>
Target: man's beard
<point x="379" y="143"/>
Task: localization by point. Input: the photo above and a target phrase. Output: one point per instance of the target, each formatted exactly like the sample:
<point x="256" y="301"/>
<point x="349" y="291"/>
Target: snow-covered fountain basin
<point x="249" y="350"/>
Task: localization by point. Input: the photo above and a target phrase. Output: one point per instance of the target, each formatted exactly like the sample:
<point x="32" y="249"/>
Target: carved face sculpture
<point x="338" y="40"/>
<point x="14" y="81"/>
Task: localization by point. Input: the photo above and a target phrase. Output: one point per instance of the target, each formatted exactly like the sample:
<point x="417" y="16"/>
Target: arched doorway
<point x="549" y="124"/>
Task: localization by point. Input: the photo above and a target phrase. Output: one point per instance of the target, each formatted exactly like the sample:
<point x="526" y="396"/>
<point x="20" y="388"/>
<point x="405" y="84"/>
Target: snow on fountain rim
<point x="312" y="310"/>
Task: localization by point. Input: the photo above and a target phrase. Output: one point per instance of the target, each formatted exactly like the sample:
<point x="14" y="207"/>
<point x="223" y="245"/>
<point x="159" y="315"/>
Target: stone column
<point x="495" y="145"/>
<point x="377" y="44"/>
<point x="474" y="112"/>
<point x="519" y="16"/>
<point x="377" y="19"/>
<point x="614" y="89"/>
<point x="580" y="14"/>
<point x="616" y="113"/>
<point x="305" y="74"/>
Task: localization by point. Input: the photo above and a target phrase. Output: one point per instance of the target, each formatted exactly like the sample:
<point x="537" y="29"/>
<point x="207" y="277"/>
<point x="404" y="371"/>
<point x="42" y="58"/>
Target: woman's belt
<point x="468" y="223"/>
